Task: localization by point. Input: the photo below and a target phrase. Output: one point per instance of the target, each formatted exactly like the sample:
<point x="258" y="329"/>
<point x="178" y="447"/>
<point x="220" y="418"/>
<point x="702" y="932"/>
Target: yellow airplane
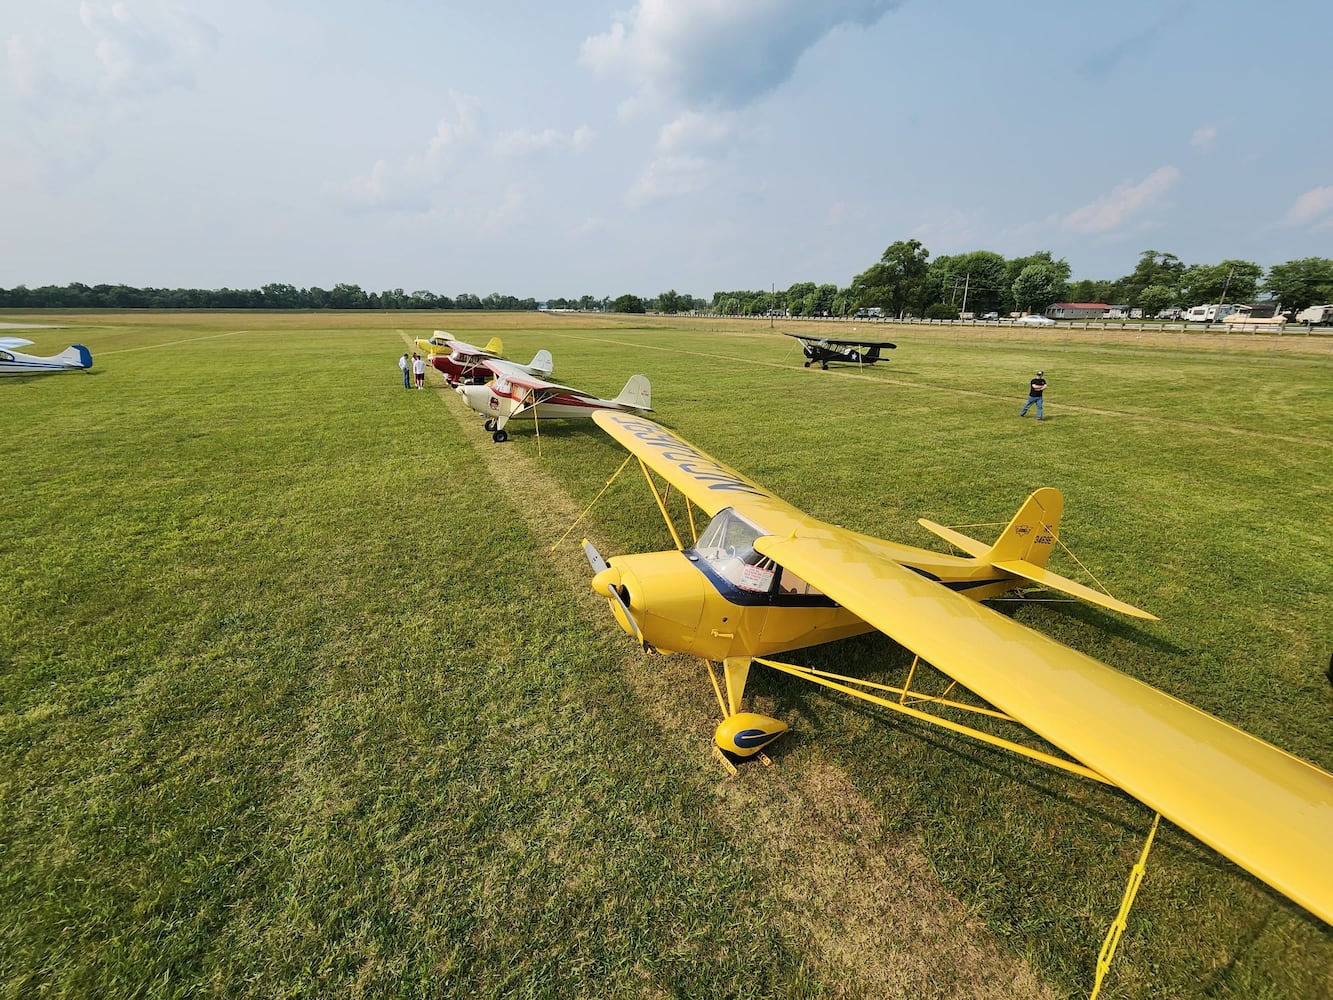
<point x="764" y="578"/>
<point x="441" y="342"/>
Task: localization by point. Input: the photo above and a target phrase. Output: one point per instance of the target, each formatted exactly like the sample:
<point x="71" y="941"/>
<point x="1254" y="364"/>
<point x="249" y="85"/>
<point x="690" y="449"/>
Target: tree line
<point x="905" y="281"/>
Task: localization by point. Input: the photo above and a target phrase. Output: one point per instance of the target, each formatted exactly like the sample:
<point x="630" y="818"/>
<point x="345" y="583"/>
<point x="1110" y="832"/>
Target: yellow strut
<point x="660" y="505"/>
<point x="935" y="720"/>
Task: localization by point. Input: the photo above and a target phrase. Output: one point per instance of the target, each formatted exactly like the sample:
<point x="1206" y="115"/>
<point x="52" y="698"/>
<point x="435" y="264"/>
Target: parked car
<point x="990" y="315"/>
<point x="1034" y="320"/>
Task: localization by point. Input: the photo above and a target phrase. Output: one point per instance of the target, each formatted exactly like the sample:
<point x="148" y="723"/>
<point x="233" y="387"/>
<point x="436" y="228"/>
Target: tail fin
<point x="1032" y="532"/>
<point x="542" y="364"/>
<point x="637" y="394"/>
<point x="1029" y="536"/>
<point x="495" y="346"/>
<point x="76" y="356"/>
<point x="1024" y="547"/>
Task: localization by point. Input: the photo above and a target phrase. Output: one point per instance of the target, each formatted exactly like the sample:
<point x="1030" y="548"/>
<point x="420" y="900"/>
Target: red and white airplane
<point x="461" y="363"/>
<point x="514" y="395"/>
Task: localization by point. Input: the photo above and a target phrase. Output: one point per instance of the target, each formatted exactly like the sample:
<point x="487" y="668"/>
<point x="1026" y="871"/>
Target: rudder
<point x="1033" y="531"/>
<point x="637" y="394"/>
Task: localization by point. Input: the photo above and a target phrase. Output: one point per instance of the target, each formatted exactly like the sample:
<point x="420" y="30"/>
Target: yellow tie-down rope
<point x="1118" y="925"/>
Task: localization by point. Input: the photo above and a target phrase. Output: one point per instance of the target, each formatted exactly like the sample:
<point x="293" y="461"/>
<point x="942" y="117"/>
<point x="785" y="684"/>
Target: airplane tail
<point x="637" y="394"/>
<point x="1024" y="547"/>
<point x="495" y="346"/>
<point x="76" y="356"/>
<point x="542" y="364"/>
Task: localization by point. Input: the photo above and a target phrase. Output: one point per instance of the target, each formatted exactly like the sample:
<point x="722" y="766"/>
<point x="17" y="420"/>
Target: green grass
<point x="295" y="702"/>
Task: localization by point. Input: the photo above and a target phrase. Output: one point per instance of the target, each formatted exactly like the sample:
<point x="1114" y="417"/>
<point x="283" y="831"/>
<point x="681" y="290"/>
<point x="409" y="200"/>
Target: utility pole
<point x="966" y="281"/>
<point x="1222" y="301"/>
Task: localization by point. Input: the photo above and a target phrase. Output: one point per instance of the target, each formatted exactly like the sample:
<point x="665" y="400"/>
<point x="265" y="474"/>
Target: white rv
<point x="1213" y="313"/>
<point x="1315" y="315"/>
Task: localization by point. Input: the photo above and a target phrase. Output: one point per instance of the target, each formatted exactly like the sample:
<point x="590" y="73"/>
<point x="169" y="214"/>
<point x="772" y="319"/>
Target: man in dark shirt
<point x="1035" y="388"/>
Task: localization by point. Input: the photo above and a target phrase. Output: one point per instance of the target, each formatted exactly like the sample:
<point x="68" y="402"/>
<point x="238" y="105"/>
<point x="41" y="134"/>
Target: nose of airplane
<point x="473" y="395"/>
<point x="605" y="580"/>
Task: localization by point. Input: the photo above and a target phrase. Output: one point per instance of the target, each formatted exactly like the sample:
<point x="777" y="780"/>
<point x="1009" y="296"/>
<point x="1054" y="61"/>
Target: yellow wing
<point x="1266" y="810"/>
<point x="709" y="484"/>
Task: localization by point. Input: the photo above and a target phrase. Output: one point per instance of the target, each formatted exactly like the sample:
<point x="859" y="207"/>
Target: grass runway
<point x="295" y="700"/>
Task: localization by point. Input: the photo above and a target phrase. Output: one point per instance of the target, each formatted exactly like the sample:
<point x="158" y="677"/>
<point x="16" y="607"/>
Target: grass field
<point x="296" y="701"/>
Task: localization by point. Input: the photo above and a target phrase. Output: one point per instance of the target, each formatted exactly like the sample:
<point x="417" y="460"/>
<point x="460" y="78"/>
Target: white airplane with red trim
<point x="513" y="395"/>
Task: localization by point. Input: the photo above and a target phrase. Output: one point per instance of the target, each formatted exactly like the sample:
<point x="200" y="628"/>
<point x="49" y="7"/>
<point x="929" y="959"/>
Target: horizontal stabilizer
<point x="1054" y="581"/>
<point x="971" y="546"/>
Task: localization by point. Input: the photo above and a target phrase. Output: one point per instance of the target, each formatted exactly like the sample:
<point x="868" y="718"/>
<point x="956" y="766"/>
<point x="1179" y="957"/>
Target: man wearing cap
<point x="1035" y="388"/>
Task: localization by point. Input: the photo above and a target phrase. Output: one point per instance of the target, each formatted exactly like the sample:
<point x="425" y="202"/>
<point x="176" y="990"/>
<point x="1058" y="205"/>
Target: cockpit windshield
<point x="727" y="545"/>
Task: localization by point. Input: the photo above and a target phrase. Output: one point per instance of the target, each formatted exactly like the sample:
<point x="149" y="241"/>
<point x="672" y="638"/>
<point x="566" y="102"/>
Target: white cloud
<point x="694" y="130"/>
<point x="523" y="143"/>
<point x="408" y="187"/>
<point x="1204" y="137"/>
<point x="669" y="177"/>
<point x="1123" y="203"/>
<point x="506" y="213"/>
<point x="1314" y="208"/>
<point x="141" y="55"/>
<point x="707" y="53"/>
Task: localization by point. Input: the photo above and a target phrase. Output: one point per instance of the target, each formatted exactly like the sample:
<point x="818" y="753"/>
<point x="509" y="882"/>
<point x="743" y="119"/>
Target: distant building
<point x="1078" y="310"/>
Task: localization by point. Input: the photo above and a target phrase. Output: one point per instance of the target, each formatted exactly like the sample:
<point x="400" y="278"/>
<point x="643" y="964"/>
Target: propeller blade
<point x="606" y="581"/>
<point x="595" y="559"/>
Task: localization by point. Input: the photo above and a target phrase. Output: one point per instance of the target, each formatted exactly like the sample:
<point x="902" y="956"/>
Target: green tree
<point x="628" y="304"/>
<point x="1042" y="258"/>
<point x="897" y="282"/>
<point x="971" y="282"/>
<point x="1154" y="268"/>
<point x="1229" y="281"/>
<point x="1153" y="299"/>
<point x="1037" y="286"/>
<point x="1301" y="283"/>
<point x="669" y="302"/>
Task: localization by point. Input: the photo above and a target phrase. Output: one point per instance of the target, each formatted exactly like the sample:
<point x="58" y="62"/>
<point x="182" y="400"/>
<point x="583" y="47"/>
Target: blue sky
<point x="541" y="149"/>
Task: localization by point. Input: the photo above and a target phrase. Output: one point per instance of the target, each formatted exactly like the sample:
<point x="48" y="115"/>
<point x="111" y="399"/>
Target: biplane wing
<point x="1263" y="808"/>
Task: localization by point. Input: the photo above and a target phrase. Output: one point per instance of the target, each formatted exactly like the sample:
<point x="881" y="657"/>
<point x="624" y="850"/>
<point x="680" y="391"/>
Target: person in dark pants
<point x="1035" y="388"/>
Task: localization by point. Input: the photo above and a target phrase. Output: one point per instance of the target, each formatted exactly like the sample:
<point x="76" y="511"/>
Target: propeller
<point x="606" y="581"/>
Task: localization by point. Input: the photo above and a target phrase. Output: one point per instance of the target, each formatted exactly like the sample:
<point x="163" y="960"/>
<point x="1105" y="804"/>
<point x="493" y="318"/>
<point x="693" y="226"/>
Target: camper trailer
<point x="1213" y="313"/>
<point x="1316" y="316"/>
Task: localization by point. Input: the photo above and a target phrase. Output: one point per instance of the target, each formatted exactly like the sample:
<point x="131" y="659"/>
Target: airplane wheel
<point x="807" y="364"/>
<point x="500" y="436"/>
<point x="490" y="424"/>
<point x="824" y="365"/>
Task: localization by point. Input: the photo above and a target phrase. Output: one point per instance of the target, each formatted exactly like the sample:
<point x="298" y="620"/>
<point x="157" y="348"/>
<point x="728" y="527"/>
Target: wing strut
<point x="837" y="682"/>
<point x="661" y="505"/>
